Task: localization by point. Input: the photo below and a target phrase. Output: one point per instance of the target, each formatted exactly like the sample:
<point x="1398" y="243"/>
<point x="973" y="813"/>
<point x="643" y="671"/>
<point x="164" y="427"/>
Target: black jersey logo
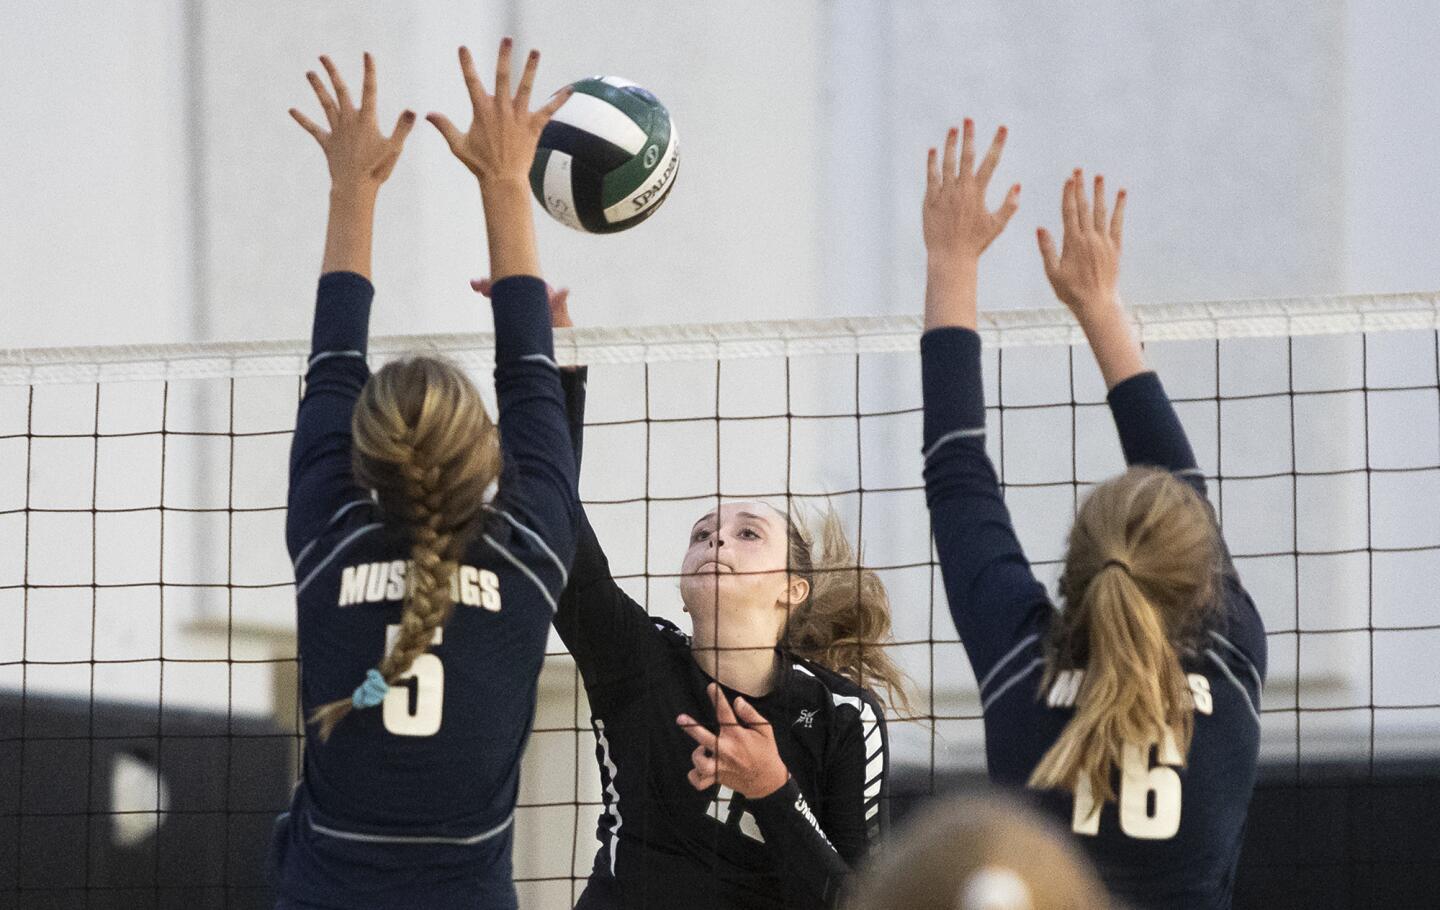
<point x="806" y="718"/>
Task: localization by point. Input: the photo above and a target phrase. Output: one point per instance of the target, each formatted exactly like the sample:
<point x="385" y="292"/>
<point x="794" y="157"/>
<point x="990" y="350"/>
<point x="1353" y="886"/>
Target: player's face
<point x="735" y="574"/>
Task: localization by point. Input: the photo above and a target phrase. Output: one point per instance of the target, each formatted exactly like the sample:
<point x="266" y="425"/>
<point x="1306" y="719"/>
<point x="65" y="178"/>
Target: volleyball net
<point x="149" y="726"/>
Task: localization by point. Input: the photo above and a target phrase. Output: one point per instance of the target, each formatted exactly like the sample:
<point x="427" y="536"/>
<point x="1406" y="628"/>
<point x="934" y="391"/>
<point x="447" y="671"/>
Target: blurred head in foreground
<point x="979" y="853"/>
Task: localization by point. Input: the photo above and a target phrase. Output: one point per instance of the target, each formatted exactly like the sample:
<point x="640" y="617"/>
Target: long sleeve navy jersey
<point x="663" y="843"/>
<point x="1173" y="838"/>
<point x="410" y="803"/>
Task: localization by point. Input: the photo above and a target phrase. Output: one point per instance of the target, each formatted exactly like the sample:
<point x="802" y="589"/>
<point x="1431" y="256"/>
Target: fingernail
<point x="969" y="123"/>
<point x="534" y="54"/>
<point x="506" y="42"/>
<point x="954" y="131"/>
<point x="1002" y="131"/>
<point x="409" y="115"/>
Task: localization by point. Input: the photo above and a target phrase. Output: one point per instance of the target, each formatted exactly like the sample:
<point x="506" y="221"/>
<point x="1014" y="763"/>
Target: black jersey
<point x="664" y="844"/>
<point x="1173" y="838"/>
<point x="410" y="803"/>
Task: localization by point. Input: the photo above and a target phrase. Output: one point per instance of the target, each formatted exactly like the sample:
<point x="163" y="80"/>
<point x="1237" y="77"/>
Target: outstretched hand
<point x="557" y="297"/>
<point x="500" y="143"/>
<point x="742" y="756"/>
<point x="360" y="157"/>
<point x="958" y="224"/>
<point x="1085" y="271"/>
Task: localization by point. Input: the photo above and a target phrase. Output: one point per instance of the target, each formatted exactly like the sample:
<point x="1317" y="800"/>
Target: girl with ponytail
<point x="1133" y="710"/>
<point x="423" y="610"/>
<point x="743" y="765"/>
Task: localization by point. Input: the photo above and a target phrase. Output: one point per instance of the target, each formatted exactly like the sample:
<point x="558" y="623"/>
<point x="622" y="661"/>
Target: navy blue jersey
<point x="1173" y="838"/>
<point x="664" y="844"/>
<point x="410" y="803"/>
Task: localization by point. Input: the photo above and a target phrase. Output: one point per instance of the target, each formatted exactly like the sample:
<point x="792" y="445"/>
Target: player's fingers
<point x="309" y="126"/>
<point x="1047" y="250"/>
<point x="403" y="126"/>
<point x="1117" y="220"/>
<point x="698" y="780"/>
<point x="697" y="731"/>
<point x="967" y="149"/>
<point x="473" y="85"/>
<point x="932" y="172"/>
<point x="1067" y="207"/>
<point x="447" y="129"/>
<point x="367" y="86"/>
<point x="327" y="104"/>
<point x="1082" y="204"/>
<point x="342" y="94"/>
<point x="502" y="70"/>
<point x="1007" y="208"/>
<point x="746" y="713"/>
<point x="722" y="708"/>
<point x="527" y="81"/>
<point x="947" y="167"/>
<point x="480" y="286"/>
<point x="992" y="157"/>
<point x="556" y="102"/>
<point x="1098" y="206"/>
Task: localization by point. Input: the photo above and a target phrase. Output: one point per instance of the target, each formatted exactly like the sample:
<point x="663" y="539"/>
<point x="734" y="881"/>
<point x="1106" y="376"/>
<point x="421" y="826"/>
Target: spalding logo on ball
<point x="608" y="157"/>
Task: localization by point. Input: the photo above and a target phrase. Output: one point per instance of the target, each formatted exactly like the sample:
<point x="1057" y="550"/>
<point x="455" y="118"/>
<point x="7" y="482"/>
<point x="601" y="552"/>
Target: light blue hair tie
<point x="371" y="692"/>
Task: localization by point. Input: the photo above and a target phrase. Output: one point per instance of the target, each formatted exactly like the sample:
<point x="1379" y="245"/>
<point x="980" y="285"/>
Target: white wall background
<point x="152" y="189"/>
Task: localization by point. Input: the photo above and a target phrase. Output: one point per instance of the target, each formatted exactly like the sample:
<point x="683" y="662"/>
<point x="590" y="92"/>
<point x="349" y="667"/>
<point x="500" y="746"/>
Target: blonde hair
<point x="972" y="853"/>
<point x="425" y="444"/>
<point x="1139" y="580"/>
<point x="845" y="621"/>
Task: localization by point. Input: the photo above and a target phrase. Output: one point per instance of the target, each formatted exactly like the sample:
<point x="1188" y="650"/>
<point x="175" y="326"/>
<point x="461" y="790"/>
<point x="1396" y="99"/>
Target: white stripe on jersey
<point x="411" y="839"/>
<point x="994" y="696"/>
<point x="300" y="588"/>
<point x="951" y="437"/>
<point x="326" y="355"/>
<point x="1254" y="673"/>
<point x="524" y="569"/>
<point x="340" y="513"/>
<point x="1009" y="656"/>
<point x="541" y="358"/>
<point x="611" y="793"/>
<point x="1245" y="696"/>
<point x="540" y="541"/>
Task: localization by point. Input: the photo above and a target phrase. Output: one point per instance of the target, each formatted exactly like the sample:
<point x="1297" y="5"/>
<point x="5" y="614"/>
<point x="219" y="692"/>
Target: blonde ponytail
<point x="425" y="444"/>
<point x="844" y="624"/>
<point x="1138" y="582"/>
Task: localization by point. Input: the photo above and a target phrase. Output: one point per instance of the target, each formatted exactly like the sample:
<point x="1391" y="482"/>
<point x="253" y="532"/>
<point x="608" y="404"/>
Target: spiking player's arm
<point x="360" y="159"/>
<point x="988" y="581"/>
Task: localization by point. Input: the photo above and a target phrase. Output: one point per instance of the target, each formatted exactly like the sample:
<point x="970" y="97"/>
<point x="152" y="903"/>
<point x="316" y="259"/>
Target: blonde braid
<point x="424" y="443"/>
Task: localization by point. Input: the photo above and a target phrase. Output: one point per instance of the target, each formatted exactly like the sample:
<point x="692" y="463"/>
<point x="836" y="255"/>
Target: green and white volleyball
<point x="608" y="157"/>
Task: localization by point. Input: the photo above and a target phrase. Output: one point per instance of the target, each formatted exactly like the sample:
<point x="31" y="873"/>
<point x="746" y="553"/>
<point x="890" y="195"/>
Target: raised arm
<point x="992" y="591"/>
<point x="360" y="159"/>
<point x="537" y="497"/>
<point x="1084" y="275"/>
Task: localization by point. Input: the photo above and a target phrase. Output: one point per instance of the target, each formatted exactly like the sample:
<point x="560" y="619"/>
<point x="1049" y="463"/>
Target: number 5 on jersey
<point x="423" y="684"/>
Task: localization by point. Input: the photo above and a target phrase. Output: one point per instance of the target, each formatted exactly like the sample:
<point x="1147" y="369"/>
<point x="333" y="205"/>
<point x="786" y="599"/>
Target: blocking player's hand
<point x="360" y="157"/>
<point x="1085" y="271"/>
<point x="742" y="755"/>
<point x="500" y="143"/>
<point x="958" y="224"/>
<point x="558" y="298"/>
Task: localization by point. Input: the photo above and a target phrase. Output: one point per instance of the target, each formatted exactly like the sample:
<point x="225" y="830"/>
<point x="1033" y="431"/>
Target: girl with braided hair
<point x="423" y="611"/>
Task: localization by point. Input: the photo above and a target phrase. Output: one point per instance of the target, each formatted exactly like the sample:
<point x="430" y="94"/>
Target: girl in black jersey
<point x="423" y="611"/>
<point x="743" y="766"/>
<point x="1134" y="709"/>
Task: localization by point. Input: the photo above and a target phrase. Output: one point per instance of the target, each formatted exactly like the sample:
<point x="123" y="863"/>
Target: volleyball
<point x="608" y="157"/>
